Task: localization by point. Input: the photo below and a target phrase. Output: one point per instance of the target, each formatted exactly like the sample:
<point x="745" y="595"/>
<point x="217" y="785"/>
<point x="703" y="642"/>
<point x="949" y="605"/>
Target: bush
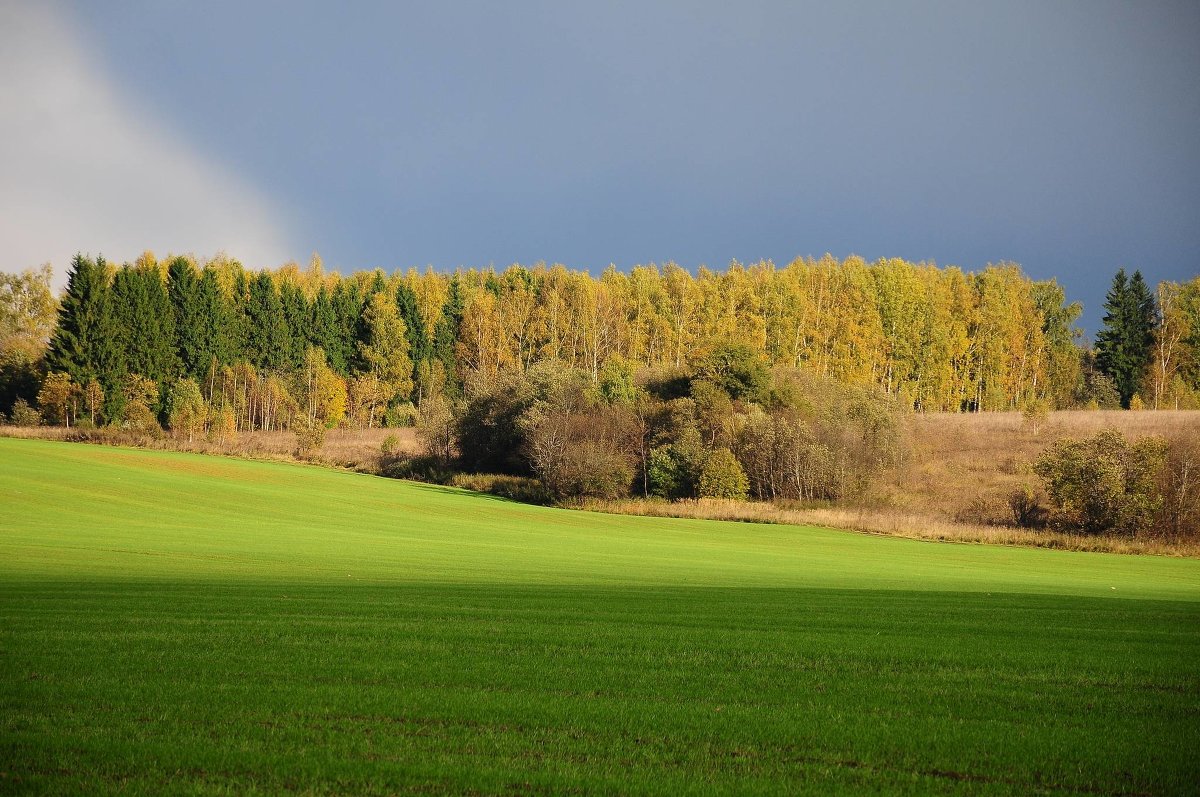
<point x="723" y="477"/>
<point x="1104" y="483"/>
<point x="516" y="488"/>
<point x="390" y="445"/>
<point x="662" y="473"/>
<point x="402" y="415"/>
<point x="24" y="415"/>
<point x="423" y="468"/>
<point x="310" y="434"/>
<point x="1028" y="513"/>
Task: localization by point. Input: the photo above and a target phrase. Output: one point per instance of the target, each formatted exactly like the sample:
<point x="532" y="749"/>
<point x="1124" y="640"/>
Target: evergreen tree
<point x="295" y="314"/>
<point x="1125" y="344"/>
<point x="193" y="326"/>
<point x="268" y="337"/>
<point x="224" y="327"/>
<point x="445" y="336"/>
<point x="85" y="344"/>
<point x="323" y="331"/>
<point x="347" y="309"/>
<point x="145" y="323"/>
<point x="414" y="325"/>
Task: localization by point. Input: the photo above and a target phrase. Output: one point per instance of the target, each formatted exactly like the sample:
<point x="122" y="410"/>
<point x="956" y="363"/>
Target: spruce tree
<point x="445" y="336"/>
<point x="323" y="331"/>
<point x="414" y="326"/>
<point x="85" y="343"/>
<point x="295" y="314"/>
<point x="347" y="308"/>
<point x="1124" y="345"/>
<point x="193" y="326"/>
<point x="145" y="322"/>
<point x="268" y="337"/>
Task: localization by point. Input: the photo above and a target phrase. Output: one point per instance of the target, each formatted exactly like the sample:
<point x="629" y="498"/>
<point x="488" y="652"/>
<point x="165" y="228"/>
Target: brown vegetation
<point x="360" y="450"/>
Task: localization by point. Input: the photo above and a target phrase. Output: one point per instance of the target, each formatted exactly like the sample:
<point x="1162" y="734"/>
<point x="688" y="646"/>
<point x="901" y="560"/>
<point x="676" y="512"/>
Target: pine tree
<point x="1124" y="346"/>
<point x="85" y="343"/>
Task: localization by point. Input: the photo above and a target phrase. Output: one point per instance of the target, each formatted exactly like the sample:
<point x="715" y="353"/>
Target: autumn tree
<point x="57" y="397"/>
<point x="384" y="350"/>
<point x="188" y="412"/>
<point x="27" y="316"/>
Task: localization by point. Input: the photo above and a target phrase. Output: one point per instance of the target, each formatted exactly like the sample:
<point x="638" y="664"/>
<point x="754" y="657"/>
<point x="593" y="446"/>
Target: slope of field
<point x="176" y="623"/>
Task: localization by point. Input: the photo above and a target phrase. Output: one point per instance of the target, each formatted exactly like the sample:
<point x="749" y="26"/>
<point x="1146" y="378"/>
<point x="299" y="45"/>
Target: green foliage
<point x="145" y="322"/>
<point x="723" y="477"/>
<point x="419" y="347"/>
<point x="269" y="336"/>
<point x="1103" y="483"/>
<point x="737" y="369"/>
<point x="664" y="474"/>
<point x="490" y="435"/>
<point x="87" y="342"/>
<point x="615" y="382"/>
<point x="296" y="315"/>
<point x="1123" y="345"/>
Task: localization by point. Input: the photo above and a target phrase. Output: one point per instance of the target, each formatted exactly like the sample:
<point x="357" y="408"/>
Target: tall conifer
<point x="85" y="344"/>
<point x="1124" y="345"/>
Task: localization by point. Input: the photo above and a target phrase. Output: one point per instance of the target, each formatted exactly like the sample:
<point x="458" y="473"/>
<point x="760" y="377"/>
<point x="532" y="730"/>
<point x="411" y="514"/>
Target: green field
<point x="174" y="623"/>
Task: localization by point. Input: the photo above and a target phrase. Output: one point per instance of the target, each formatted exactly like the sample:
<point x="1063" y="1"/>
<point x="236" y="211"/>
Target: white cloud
<point x="83" y="168"/>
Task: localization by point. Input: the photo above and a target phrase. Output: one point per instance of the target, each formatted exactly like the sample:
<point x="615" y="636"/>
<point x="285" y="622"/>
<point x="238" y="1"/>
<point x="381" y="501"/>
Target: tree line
<point x="934" y="339"/>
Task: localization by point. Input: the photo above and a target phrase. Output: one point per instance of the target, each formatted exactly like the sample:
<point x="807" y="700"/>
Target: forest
<point x="775" y="383"/>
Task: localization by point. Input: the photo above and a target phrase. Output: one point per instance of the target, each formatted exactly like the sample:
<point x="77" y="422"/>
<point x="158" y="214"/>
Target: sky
<point x="1059" y="135"/>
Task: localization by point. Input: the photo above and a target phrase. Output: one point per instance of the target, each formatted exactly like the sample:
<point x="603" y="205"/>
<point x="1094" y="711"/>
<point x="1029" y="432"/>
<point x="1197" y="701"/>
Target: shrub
<point x="1104" y="483"/>
<point x="662" y="473"/>
<point x="1028" y="513"/>
<point x="402" y="415"/>
<point x="310" y="434"/>
<point x="24" y="415"/>
<point x="515" y="488"/>
<point x="1035" y="413"/>
<point x="389" y="446"/>
<point x="723" y="477"/>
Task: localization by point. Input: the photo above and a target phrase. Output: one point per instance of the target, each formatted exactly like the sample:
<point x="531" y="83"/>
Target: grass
<point x="173" y="623"/>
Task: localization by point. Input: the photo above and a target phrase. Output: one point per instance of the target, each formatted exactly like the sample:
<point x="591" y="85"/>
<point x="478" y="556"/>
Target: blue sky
<point x="1059" y="135"/>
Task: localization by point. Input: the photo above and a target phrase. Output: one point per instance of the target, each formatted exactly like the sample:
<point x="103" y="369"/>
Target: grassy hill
<point x="178" y="623"/>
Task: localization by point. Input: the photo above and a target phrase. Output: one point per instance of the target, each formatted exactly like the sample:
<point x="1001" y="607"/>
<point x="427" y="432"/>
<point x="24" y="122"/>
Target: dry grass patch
<point x="888" y="522"/>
